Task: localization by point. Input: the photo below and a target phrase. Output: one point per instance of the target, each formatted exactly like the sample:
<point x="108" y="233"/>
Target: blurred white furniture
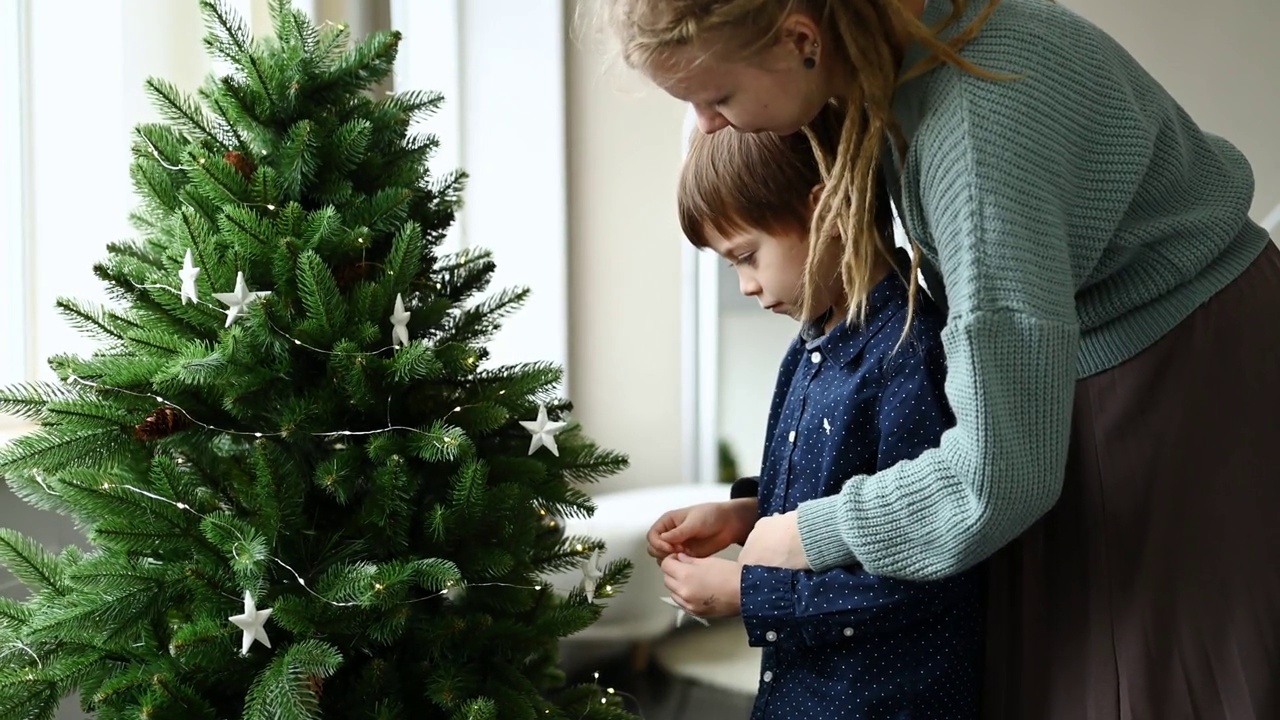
<point x="717" y="656"/>
<point x="636" y="615"/>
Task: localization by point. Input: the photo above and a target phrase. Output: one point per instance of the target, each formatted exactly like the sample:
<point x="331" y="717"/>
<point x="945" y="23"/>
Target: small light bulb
<point x="271" y="207"/>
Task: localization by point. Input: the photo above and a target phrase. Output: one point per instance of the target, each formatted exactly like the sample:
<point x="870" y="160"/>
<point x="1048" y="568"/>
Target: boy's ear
<point x="814" y="195"/>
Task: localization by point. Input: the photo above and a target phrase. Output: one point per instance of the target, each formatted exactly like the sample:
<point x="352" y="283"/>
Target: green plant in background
<point x="728" y="463"/>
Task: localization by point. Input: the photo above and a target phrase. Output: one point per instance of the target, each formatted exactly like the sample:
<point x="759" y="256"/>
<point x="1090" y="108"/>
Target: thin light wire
<point x="446" y="443"/>
<point x="298" y="576"/>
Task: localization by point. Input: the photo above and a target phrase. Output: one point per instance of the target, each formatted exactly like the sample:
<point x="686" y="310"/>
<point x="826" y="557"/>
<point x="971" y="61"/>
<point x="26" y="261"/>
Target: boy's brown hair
<point x="733" y="182"/>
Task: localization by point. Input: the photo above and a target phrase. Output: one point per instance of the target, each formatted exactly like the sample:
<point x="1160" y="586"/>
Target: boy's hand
<point x="705" y="587"/>
<point x="702" y="530"/>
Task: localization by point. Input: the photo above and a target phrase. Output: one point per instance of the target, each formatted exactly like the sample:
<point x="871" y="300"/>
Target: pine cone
<point x="162" y="423"/>
<point x="317" y="685"/>
<point x="240" y="162"/>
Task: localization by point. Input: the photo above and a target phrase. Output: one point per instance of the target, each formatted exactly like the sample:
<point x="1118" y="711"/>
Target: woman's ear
<point x="815" y="195"/>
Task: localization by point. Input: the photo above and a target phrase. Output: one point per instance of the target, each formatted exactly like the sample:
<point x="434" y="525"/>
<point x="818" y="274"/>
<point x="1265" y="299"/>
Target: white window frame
<point x="501" y="67"/>
<point x="700" y="354"/>
<point x="16" y="362"/>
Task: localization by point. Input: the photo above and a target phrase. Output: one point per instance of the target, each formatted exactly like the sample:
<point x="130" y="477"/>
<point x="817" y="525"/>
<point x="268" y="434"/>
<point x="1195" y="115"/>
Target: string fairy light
<point x="282" y="333"/>
<point x="16" y="646"/>
<point x="185" y="168"/>
<point x="160" y="159"/>
<point x="610" y="691"/>
<point x="446" y="442"/>
<point x="302" y="582"/>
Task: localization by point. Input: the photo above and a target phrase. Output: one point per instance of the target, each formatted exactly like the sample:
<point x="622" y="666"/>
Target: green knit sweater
<point x="1075" y="215"/>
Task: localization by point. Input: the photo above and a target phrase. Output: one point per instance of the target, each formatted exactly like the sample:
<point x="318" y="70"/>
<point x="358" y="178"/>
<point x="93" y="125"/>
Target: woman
<point x="1111" y="330"/>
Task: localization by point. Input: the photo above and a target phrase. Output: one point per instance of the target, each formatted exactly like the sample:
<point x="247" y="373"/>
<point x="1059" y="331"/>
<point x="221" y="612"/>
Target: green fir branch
<point x="94" y="320"/>
<point x="29" y="400"/>
<point x="320" y="295"/>
<point x="36" y="567"/>
<point x="52" y="450"/>
<point x="181" y="110"/>
<point x="297" y="159"/>
<point x="284" y="690"/>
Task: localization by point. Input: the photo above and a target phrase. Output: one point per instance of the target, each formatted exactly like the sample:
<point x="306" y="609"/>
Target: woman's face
<point x="773" y="92"/>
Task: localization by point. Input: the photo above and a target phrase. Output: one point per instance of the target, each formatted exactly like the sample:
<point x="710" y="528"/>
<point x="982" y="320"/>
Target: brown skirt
<point x="1151" y="591"/>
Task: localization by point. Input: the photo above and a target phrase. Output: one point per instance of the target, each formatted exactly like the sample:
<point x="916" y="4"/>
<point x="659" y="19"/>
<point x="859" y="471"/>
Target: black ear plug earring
<point x="811" y="61"/>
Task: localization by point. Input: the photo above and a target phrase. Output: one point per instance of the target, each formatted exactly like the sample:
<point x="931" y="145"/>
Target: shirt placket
<point x="809" y="371"/>
<point x="792" y="419"/>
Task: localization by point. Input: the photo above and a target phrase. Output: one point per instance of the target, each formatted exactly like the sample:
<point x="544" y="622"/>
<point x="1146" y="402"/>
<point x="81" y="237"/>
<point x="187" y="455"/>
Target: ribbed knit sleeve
<point x="997" y="190"/>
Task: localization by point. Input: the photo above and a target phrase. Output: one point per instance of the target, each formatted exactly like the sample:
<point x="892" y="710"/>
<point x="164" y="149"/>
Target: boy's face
<point x="770" y="266"/>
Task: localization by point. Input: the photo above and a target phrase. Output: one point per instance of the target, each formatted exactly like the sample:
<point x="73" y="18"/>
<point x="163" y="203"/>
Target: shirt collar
<point x="846" y="340"/>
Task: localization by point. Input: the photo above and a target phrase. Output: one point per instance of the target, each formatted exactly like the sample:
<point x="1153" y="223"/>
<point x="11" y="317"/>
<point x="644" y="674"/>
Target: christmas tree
<point x="307" y="495"/>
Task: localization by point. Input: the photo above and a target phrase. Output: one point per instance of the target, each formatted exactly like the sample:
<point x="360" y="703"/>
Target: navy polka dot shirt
<point x="845" y="644"/>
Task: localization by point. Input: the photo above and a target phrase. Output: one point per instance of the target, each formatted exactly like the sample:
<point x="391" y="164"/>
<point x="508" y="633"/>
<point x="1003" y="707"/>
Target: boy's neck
<point x="840" y="310"/>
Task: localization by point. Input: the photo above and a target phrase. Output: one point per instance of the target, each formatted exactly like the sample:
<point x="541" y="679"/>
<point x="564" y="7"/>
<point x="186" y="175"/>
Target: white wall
<point x="625" y="266"/>
<point x="1220" y="59"/>
<point x="752" y="343"/>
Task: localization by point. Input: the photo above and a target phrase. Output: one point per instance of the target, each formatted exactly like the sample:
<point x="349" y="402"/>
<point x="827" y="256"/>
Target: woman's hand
<point x="702" y="530"/>
<point x="705" y="587"/>
<point x="775" y="542"/>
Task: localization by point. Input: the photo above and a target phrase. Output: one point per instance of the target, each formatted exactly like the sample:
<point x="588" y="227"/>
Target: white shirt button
<point x="791" y="436"/>
<point x="816" y="356"/>
<point x="848" y="632"/>
<point x="768" y="676"/>
<point x="771" y="636"/>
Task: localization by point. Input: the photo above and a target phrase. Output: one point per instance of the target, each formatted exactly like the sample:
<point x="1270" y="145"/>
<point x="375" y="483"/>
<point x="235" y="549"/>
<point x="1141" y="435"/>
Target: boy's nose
<point x="747" y="285"/>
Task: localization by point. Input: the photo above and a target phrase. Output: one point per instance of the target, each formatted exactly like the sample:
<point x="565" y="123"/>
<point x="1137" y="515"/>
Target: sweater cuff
<point x="819" y="524"/>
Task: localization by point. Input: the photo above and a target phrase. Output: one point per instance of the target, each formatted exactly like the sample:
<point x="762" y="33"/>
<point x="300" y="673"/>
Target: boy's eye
<point x="749" y="260"/>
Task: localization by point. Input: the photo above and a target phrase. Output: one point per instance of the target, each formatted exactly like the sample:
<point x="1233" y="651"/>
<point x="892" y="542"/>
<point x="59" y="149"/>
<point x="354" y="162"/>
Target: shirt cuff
<point x="819" y="523"/>
<point x="768" y="604"/>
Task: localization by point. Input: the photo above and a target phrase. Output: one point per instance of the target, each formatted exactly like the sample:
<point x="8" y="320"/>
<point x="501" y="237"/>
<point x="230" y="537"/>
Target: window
<point x="501" y="68"/>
